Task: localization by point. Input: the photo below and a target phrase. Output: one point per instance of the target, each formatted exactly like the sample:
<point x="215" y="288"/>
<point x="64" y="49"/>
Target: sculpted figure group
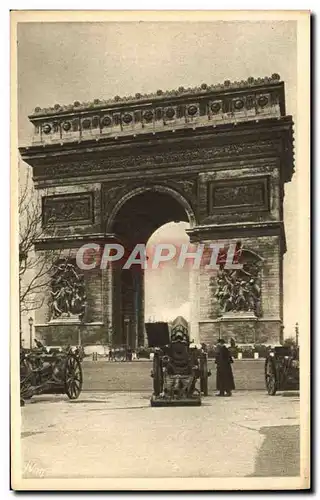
<point x="239" y="290"/>
<point x="67" y="291"/>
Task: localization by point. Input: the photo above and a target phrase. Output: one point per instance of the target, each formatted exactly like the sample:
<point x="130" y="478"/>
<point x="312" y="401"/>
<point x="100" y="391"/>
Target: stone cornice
<point x="117" y="145"/>
<point x="185" y="109"/>
<point x="159" y="95"/>
<point x="258" y="320"/>
<point x="73" y="241"/>
<point x="237" y="230"/>
<point x="189" y="149"/>
<point x="245" y="225"/>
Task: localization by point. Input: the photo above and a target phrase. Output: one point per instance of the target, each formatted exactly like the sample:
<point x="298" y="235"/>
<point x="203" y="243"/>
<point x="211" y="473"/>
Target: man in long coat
<point x="225" y="381"/>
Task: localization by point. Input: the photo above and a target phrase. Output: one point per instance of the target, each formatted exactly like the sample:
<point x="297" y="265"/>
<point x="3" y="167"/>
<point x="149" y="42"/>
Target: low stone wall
<point x="55" y="334"/>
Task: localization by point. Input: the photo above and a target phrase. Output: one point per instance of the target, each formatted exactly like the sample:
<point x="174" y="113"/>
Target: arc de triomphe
<point x="216" y="156"/>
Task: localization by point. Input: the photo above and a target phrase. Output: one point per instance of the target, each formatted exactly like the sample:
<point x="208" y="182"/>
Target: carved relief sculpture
<point x="63" y="209"/>
<point x="68" y="296"/>
<point x="249" y="194"/>
<point x="240" y="289"/>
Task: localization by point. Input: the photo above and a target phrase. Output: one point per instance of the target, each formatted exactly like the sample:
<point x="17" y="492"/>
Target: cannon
<point x="282" y="370"/>
<point x="53" y="372"/>
<point x="178" y="367"/>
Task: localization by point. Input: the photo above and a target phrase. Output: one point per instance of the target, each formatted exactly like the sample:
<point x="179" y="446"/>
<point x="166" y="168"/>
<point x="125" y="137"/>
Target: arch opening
<point x="167" y="287"/>
<point x="137" y="222"/>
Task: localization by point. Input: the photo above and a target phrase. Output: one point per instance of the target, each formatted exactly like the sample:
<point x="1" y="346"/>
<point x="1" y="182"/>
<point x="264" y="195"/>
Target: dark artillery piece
<point x="177" y="367"/>
<point x="282" y="370"/>
<point x="42" y="372"/>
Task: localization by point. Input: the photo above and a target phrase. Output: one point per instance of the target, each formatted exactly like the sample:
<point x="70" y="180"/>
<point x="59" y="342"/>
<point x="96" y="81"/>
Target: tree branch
<point x="35" y="269"/>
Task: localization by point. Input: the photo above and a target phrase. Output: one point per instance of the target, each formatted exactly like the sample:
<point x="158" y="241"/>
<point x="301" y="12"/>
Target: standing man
<point x="225" y="381"/>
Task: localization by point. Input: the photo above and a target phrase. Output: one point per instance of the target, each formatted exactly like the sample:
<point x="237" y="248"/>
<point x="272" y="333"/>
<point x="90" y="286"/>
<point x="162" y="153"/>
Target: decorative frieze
<point x="196" y="154"/>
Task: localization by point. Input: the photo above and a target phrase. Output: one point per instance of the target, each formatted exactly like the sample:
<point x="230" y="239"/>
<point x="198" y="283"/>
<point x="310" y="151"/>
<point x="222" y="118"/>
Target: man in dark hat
<point x="225" y="381"/>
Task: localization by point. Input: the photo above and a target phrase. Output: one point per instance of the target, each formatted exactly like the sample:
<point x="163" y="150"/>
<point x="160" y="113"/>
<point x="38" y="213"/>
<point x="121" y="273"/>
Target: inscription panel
<point x="68" y="209"/>
<point x="238" y="195"/>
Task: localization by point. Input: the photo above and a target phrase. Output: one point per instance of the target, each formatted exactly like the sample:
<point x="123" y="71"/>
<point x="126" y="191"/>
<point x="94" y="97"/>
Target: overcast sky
<point x="65" y="62"/>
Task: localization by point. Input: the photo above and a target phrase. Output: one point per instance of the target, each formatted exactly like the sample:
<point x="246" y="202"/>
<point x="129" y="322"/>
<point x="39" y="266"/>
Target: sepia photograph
<point x="160" y="281"/>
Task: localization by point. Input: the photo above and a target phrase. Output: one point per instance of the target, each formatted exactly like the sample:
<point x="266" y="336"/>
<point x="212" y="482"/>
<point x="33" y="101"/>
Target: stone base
<point x="72" y="333"/>
<point x="64" y="319"/>
<point x="243" y="328"/>
<point x="238" y="316"/>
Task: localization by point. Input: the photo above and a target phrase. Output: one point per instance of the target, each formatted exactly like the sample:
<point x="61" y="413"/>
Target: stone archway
<point x="157" y="188"/>
<point x="135" y="217"/>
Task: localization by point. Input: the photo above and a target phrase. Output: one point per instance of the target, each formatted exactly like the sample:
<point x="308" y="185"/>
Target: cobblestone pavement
<point x="120" y="435"/>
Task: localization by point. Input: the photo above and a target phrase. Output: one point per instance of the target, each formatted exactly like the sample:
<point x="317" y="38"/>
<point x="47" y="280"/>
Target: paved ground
<point x="120" y="435"/>
<point x="103" y="375"/>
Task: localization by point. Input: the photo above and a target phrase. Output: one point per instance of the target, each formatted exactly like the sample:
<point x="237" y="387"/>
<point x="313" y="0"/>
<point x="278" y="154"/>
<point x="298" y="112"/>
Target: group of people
<point x="239" y="290"/>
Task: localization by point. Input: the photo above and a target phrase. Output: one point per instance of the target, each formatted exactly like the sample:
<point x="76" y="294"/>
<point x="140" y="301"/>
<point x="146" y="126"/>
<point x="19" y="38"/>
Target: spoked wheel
<point x="204" y="375"/>
<point x="157" y="376"/>
<point x="72" y="377"/>
<point x="270" y="377"/>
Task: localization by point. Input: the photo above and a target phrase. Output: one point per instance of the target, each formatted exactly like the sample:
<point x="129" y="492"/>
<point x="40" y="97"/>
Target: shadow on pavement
<point x="291" y="394"/>
<point x="120" y="408"/>
<point x="28" y="433"/>
<point x="50" y="399"/>
<point x="279" y="454"/>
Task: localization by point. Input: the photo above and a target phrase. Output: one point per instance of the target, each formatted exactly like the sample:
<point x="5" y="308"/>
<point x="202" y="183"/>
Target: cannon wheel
<point x="204" y="375"/>
<point x="72" y="377"/>
<point x="270" y="376"/>
<point x="157" y="375"/>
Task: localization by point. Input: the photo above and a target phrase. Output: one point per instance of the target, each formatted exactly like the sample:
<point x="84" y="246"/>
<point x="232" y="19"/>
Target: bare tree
<point x="34" y="268"/>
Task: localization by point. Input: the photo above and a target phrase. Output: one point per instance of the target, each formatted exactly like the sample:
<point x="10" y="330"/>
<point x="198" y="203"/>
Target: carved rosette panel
<point x="239" y="290"/>
<point x="204" y="105"/>
<point x="202" y="89"/>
